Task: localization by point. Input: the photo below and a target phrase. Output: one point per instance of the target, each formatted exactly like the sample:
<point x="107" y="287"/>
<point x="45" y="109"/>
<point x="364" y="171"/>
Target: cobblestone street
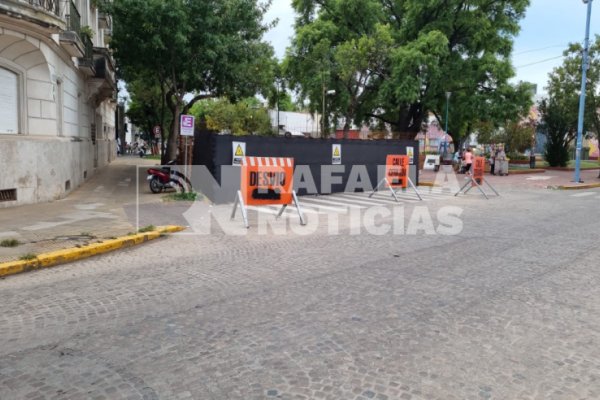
<point x="508" y="309"/>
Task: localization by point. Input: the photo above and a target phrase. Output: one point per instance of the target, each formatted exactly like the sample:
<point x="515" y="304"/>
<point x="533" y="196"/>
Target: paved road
<point x="508" y="309"/>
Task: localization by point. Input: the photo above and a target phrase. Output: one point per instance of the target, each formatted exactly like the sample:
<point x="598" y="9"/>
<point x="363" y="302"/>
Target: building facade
<point x="57" y="97"/>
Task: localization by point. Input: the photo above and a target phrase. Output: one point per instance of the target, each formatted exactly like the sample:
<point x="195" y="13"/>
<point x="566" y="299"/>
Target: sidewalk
<point x="528" y="181"/>
<point x="102" y="208"/>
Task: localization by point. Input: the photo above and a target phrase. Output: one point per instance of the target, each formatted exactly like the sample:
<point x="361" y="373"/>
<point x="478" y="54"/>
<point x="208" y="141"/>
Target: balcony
<point x="43" y="16"/>
<point x="86" y="63"/>
<point x="104" y="20"/>
<point x="103" y="85"/>
<point x="70" y="38"/>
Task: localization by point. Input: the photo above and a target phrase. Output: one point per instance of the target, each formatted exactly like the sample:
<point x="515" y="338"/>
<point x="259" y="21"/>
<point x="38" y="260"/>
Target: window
<point x="9" y="102"/>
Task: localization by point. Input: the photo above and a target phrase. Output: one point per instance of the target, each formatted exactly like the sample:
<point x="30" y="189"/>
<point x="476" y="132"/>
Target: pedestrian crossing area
<point x="345" y="202"/>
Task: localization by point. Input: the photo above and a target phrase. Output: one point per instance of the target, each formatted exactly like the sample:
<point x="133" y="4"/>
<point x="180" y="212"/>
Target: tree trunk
<point x="164" y="159"/>
<point x="346" y="128"/>
<point x="172" y="143"/>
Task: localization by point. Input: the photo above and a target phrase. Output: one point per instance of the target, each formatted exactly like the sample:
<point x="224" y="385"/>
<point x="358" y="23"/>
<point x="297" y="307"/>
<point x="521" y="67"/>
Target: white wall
<point x="53" y="144"/>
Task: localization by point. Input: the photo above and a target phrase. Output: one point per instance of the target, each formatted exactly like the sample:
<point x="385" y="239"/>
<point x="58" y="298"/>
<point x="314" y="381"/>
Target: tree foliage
<point x="564" y="86"/>
<point x="211" y="48"/>
<point x="241" y="118"/>
<point x="147" y="107"/>
<point x="518" y="135"/>
<point x="555" y="125"/>
<point x="560" y="110"/>
<point x="394" y="60"/>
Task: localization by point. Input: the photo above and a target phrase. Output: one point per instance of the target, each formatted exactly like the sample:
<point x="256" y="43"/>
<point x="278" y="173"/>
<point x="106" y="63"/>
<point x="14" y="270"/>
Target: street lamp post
<point x="448" y="94"/>
<point x="323" y="121"/>
<point x="584" y="68"/>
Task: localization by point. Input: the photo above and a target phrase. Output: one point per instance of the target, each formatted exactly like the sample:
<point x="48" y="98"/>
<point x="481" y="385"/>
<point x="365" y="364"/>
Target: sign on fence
<point x="336" y="154"/>
<point x="239" y="152"/>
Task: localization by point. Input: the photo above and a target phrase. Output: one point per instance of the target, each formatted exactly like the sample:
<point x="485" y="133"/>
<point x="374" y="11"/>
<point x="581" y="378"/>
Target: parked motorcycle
<point x="167" y="177"/>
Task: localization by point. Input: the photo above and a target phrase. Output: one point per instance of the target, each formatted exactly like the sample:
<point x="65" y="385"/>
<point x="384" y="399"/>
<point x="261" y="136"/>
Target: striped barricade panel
<point x="267" y="180"/>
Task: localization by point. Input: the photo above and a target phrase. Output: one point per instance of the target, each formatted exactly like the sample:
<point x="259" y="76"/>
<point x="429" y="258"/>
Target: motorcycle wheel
<point x="155" y="185"/>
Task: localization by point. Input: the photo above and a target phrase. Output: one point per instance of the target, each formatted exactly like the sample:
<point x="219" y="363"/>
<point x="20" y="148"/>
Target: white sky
<point x="545" y="32"/>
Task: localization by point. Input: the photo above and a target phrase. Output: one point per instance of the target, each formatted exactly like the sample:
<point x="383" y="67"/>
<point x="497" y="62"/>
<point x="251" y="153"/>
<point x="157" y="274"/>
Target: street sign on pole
<point x="186" y="125"/>
<point x="186" y="129"/>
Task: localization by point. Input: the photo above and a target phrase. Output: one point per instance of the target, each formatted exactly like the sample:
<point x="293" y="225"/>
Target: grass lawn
<point x="584" y="164"/>
<point x="151" y="157"/>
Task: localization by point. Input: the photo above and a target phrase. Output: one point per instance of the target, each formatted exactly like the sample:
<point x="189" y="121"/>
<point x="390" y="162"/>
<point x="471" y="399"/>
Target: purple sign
<point x="186" y="126"/>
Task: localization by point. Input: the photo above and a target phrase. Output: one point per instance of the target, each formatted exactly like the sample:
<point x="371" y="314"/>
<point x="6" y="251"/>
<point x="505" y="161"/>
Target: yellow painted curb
<point x="425" y="183"/>
<point x="77" y="253"/>
<point x="580" y="187"/>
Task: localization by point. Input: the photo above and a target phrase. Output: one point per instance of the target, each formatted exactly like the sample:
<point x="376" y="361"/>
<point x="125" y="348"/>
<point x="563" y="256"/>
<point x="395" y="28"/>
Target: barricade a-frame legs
<point x="471" y="182"/>
<point x="239" y="201"/>
<point x="384" y="181"/>
<point x="297" y="204"/>
<point x="414" y="188"/>
<point x="491" y="187"/>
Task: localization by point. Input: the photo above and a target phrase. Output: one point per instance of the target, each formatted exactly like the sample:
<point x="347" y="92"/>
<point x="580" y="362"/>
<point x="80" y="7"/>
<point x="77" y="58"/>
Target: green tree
<point x="147" y="107"/>
<point x="211" y="48"/>
<point x="556" y="126"/>
<point x="564" y="86"/>
<point x="561" y="108"/>
<point x="241" y="118"/>
<point x="517" y="135"/>
<point x="394" y="60"/>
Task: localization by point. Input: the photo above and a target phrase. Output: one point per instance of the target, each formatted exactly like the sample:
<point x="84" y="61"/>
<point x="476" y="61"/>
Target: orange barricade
<point x="396" y="171"/>
<point x="478" y="169"/>
<point x="266" y="181"/>
<point x="396" y="175"/>
<point x="476" y="179"/>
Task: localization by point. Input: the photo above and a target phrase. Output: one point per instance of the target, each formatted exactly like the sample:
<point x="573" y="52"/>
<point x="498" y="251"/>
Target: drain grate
<point x="8" y="195"/>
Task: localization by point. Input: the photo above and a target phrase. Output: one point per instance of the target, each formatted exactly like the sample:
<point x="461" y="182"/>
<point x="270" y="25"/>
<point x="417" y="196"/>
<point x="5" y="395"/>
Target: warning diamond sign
<point x="336" y="154"/>
<point x="239" y="152"/>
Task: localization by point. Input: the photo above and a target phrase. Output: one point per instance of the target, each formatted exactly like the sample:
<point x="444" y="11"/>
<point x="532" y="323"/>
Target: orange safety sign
<point x="266" y="181"/>
<point x="478" y="169"/>
<point x="476" y="178"/>
<point x="396" y="171"/>
<point x="396" y="175"/>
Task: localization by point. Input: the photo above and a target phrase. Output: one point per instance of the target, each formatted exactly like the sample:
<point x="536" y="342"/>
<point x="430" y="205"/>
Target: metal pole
<point x="448" y="94"/>
<point x="323" y="116"/>
<point x="186" y="156"/>
<point x="447" y="101"/>
<point x="584" y="68"/>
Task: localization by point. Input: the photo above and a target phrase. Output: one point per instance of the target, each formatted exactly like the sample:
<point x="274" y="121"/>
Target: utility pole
<point x="448" y="94"/>
<point x="584" y="68"/>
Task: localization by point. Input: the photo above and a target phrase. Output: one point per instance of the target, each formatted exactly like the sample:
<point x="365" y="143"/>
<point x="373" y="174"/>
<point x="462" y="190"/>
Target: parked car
<point x="290" y="132"/>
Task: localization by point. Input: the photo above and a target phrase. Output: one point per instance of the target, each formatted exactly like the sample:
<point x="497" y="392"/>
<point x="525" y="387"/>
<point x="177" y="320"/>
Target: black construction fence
<point x="216" y="153"/>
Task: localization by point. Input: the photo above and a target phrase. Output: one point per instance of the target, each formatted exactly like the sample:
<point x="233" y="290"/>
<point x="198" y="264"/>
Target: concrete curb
<point x="578" y="187"/>
<point x="77" y="253"/>
<point x="526" y="171"/>
<point x="428" y="184"/>
<point x="570" y="169"/>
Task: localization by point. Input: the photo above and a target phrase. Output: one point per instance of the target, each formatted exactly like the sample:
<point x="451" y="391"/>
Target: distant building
<point x="57" y="97"/>
<point x="296" y="122"/>
<point x="433" y="137"/>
